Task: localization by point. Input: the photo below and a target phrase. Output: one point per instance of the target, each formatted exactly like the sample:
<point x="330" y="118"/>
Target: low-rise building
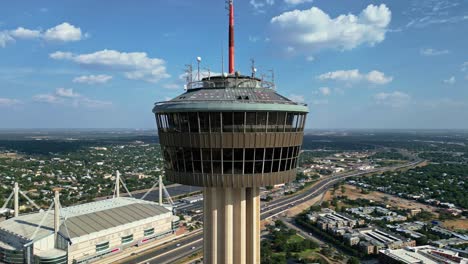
<point x="421" y="254"/>
<point x="87" y="232"/>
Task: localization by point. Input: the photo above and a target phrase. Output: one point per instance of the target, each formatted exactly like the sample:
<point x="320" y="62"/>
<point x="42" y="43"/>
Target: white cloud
<point x="8" y="102"/>
<point x="60" y="55"/>
<point x="395" y="99"/>
<point x="134" y="65"/>
<point x="46" y="98"/>
<point x="24" y="33"/>
<point x="5" y="38"/>
<point x="64" y="32"/>
<point x="297" y="2"/>
<point x="93" y="79"/>
<point x="450" y="80"/>
<point x="424" y="13"/>
<point x="378" y="77"/>
<point x="325" y="91"/>
<point x="320" y="102"/>
<point x="259" y="5"/>
<point x="297" y="98"/>
<point x="63" y="92"/>
<point x="172" y="86"/>
<point x="63" y="96"/>
<point x="375" y="77"/>
<point x="464" y="66"/>
<point x="310" y="58"/>
<point x="203" y="74"/>
<point x="253" y="39"/>
<point x="91" y="103"/>
<point x="313" y="29"/>
<point x="433" y="52"/>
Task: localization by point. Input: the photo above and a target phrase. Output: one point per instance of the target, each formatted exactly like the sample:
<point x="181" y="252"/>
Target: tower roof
<point x="230" y="93"/>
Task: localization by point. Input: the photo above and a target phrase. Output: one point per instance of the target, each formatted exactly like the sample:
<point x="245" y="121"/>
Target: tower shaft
<point x="231" y="226"/>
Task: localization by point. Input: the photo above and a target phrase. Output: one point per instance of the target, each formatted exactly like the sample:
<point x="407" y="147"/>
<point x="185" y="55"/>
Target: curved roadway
<point x="186" y="246"/>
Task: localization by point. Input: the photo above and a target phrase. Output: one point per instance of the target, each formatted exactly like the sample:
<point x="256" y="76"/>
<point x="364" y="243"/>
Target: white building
<point x="87" y="232"/>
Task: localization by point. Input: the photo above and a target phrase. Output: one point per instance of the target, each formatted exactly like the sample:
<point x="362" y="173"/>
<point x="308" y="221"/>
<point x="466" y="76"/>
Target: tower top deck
<point x="230" y="93"/>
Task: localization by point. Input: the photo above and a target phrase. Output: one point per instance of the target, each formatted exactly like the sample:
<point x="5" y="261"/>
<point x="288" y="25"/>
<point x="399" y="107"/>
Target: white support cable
<point x="8" y="200"/>
<point x="65" y="221"/>
<point x="125" y="186"/>
<point x="31" y="201"/>
<point x="42" y="221"/>
<point x="167" y="195"/>
<point x="152" y="187"/>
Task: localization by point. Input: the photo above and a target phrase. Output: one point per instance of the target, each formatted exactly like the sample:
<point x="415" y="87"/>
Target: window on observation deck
<point x="250" y="121"/>
<point x="261" y="121"/>
<point x="193" y="122"/>
<point x="239" y="121"/>
<point x="229" y="161"/>
<point x="228" y="122"/>
<point x="184" y="122"/>
<point x="215" y="122"/>
<point x="288" y="125"/>
<point x="280" y="121"/>
<point x="204" y="119"/>
<point x="272" y="119"/>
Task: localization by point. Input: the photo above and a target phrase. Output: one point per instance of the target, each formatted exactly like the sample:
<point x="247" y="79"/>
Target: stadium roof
<point x="80" y="220"/>
<point x="105" y="219"/>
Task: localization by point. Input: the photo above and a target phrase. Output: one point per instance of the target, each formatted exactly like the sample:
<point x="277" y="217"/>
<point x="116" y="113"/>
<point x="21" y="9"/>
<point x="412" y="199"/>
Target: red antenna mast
<point x="231" y="37"/>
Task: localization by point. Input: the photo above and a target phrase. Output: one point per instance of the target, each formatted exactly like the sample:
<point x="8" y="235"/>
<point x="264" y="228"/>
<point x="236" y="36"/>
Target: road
<point x="173" y="190"/>
<point x="188" y="246"/>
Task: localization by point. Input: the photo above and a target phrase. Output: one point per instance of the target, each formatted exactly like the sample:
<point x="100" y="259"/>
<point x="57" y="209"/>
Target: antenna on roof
<point x="254" y="70"/>
<point x="188" y="73"/>
<point x="209" y="72"/>
<point x="231" y="36"/>
<point x="198" y="68"/>
<point x="222" y="59"/>
<point x="272" y="71"/>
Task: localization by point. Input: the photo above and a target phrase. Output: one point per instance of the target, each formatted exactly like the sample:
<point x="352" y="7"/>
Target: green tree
<point x="353" y="260"/>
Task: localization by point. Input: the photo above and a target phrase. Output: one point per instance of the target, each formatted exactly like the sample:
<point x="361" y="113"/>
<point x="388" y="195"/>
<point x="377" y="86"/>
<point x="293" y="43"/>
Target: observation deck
<point x="233" y="131"/>
<point x="230" y="93"/>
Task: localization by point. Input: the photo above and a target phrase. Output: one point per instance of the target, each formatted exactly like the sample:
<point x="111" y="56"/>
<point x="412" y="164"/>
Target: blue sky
<point x="357" y="64"/>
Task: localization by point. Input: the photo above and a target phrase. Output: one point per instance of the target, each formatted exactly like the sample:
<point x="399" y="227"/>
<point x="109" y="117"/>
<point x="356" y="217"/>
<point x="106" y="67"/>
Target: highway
<point x="192" y="244"/>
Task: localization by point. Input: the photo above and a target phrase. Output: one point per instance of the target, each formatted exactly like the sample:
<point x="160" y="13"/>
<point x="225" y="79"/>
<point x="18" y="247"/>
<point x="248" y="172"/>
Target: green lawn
<point x="308" y="253"/>
<point x="295" y="239"/>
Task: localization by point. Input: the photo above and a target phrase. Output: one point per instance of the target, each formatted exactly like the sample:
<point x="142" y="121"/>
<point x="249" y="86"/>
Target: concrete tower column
<point x="240" y="220"/>
<point x="253" y="225"/>
<point x="231" y="222"/>
<point x="210" y="225"/>
<point x="228" y="225"/>
<point x="16" y="199"/>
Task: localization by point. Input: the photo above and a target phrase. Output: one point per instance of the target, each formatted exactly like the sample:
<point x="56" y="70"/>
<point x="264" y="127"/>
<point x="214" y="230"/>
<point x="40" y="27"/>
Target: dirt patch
<point x="353" y="193"/>
<point x="456" y="224"/>
<point x="304" y="206"/>
<point x="10" y="155"/>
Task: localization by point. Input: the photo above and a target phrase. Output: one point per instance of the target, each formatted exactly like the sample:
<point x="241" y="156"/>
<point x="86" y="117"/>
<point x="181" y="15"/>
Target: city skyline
<point x="71" y="66"/>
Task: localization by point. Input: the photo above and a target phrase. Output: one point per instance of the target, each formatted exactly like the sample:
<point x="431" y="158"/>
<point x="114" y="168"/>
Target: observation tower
<point x="231" y="134"/>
